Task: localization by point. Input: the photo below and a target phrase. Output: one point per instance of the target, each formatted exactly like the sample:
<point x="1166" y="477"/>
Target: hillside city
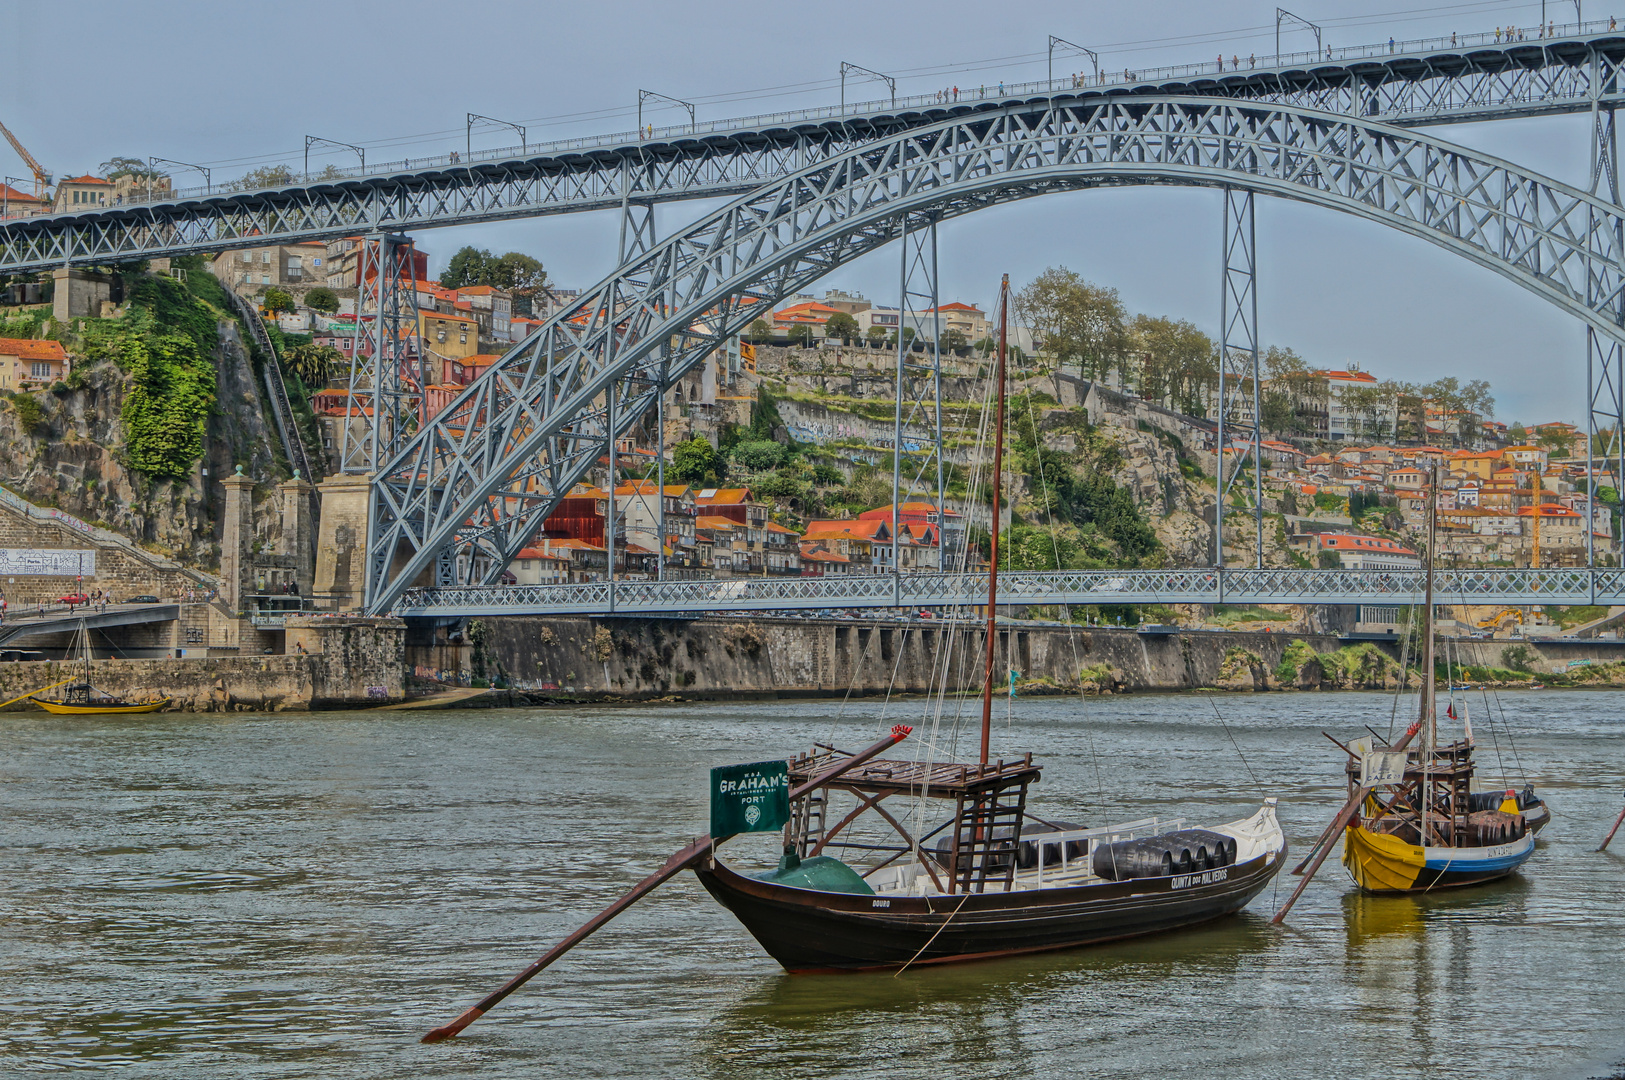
<point x="777" y="452"/>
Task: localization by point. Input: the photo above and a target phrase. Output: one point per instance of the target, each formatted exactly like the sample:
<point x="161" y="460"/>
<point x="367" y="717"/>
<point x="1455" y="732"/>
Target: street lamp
<point x="311" y="140"/>
<point x="468" y="131"/>
<point x="1283" y="15"/>
<point x="645" y="95"/>
<point x="1090" y="53"/>
<point x="887" y="79"/>
<point x="208" y="182"/>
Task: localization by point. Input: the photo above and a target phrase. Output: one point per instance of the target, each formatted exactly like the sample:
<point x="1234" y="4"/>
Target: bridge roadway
<point x="1437" y="81"/>
<point x="20" y="628"/>
<point x="1073" y="587"/>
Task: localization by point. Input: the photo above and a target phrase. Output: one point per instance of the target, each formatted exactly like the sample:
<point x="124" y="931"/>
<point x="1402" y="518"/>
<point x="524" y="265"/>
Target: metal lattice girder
<point x="1238" y="404"/>
<point x="1605" y="360"/>
<point x="1201" y="586"/>
<point x="917" y="427"/>
<point x="1484" y="82"/>
<point x="388" y="373"/>
<point x="486" y="472"/>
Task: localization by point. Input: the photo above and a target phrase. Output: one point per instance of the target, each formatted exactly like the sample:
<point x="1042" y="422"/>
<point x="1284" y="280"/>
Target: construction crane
<point x="42" y="179"/>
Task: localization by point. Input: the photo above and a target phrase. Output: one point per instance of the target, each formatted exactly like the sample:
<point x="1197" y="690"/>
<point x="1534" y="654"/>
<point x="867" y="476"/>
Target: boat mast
<point x="1429" y="716"/>
<point x="993" y="528"/>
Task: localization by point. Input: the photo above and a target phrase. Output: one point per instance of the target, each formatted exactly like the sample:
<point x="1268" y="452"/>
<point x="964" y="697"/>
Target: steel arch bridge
<point x="480" y="478"/>
<point x="1435" y="82"/>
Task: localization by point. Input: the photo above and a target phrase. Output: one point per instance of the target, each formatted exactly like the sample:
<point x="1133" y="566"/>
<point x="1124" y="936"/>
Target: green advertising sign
<point x="750" y="798"/>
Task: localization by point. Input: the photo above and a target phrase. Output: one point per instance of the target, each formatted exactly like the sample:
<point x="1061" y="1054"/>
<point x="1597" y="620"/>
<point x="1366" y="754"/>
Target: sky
<point x="232" y="85"/>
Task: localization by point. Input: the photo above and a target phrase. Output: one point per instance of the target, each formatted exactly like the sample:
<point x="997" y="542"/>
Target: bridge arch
<point x="483" y="474"/>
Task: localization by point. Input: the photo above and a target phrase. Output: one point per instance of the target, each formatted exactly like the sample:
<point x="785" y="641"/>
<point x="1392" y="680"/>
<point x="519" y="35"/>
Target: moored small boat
<point x="81" y="698"/>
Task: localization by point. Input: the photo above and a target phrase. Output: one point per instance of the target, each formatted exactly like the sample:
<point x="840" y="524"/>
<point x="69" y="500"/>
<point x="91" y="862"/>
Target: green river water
<point x="303" y="896"/>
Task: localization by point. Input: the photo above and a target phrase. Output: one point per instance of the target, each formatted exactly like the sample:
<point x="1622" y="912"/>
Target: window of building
<point x="265" y="257"/>
<point x="40" y="370"/>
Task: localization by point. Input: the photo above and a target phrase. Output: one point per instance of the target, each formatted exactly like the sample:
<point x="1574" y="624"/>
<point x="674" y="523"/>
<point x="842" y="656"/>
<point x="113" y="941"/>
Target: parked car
<point x="73" y="598"/>
<point x="143" y="600"/>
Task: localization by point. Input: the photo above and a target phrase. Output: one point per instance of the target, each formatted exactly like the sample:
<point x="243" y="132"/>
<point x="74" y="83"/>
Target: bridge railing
<point x="883" y="106"/>
<point x="1073" y="587"/>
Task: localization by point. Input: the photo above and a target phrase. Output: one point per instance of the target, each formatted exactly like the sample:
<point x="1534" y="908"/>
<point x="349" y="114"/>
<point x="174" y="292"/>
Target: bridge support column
<point x="388" y="371"/>
<point x="237" y="543"/>
<point x="1605" y="361"/>
<point x="341" y="546"/>
<point x="918" y="303"/>
<point x="296" y="530"/>
<point x="78" y="294"/>
<point x="1238" y="404"/>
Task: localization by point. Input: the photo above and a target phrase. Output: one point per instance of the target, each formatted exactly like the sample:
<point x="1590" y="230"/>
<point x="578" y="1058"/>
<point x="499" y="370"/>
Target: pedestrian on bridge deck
<point x="1452" y="39"/>
<point x="1390" y="45"/>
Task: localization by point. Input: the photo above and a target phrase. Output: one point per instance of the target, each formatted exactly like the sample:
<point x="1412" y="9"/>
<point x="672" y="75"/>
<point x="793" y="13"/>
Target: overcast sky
<point x="231" y="85"/>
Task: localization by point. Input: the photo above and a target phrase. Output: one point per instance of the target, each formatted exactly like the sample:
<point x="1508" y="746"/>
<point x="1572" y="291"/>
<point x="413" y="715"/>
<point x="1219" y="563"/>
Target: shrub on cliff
<point x="171" y="388"/>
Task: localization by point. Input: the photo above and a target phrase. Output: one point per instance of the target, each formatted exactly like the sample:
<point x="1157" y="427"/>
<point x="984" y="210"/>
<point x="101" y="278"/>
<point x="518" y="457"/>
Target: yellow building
<point x="449" y="334"/>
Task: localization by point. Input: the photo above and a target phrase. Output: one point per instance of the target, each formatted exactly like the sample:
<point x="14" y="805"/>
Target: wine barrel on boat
<point x="1184" y="851"/>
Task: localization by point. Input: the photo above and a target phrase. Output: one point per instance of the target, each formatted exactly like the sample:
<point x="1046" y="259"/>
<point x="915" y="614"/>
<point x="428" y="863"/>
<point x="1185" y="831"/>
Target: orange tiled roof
<point x="32" y="349"/>
<point x="1353" y="542"/>
<point x="722" y="496"/>
<point x="87" y="179"/>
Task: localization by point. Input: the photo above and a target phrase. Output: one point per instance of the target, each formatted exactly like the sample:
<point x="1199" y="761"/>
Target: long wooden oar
<point x="1611" y="832"/>
<point x="41" y="690"/>
<point x="1323" y="846"/>
<point x="682" y="860"/>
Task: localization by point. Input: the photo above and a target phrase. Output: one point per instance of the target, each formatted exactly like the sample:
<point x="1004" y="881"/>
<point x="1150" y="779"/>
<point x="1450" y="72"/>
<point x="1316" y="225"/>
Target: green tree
<point x="517" y="272"/>
<point x="954" y="340"/>
<point x="841" y="325"/>
<point x="314" y="364"/>
<point x="761" y="332"/>
<point x="876" y="335"/>
<point x="695" y="461"/>
<point x="802" y="334"/>
<point x="827" y="476"/>
<point x="758" y="455"/>
<point x="264" y="177"/>
<point x="277" y="300"/>
<point x="469" y="266"/>
<point x="1079" y="323"/>
<point x="321" y="299"/>
<point x="116" y="167"/>
<point x="1516" y="435"/>
<point x="1176" y="362"/>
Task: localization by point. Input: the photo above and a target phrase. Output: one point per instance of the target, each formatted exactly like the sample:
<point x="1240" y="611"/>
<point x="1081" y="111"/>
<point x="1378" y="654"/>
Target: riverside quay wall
<point x="335" y="663"/>
<point x="593" y="658"/>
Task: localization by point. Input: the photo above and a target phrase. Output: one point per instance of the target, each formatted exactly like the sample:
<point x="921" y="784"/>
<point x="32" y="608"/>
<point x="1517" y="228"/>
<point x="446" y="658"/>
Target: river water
<point x="303" y="896"/>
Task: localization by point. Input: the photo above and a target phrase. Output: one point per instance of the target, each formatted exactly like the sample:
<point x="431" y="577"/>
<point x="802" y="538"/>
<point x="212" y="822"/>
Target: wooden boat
<point x="985" y="890"/>
<point x="83" y="699"/>
<point x="95" y="705"/>
<point x="1000" y="881"/>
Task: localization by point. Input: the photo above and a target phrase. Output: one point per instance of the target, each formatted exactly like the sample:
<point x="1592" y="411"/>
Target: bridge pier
<point x="341" y="543"/>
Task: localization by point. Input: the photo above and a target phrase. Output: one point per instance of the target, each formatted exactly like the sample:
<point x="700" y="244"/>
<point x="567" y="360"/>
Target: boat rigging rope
<point x="933" y="937"/>
<point x="1261" y="792"/>
<point x="1404" y="670"/>
<point x="1055" y="548"/>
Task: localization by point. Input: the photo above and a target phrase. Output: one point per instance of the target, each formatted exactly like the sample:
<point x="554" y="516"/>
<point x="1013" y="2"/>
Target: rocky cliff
<point x="66" y="448"/>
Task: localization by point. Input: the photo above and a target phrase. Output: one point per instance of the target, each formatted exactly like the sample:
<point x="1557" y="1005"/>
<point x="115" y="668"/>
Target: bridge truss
<point x="1425" y="83"/>
<point x="483" y="475"/>
<point x="1384" y="588"/>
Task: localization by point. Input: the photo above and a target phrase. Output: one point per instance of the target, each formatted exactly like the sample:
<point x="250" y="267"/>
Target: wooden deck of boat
<point x="942" y="778"/>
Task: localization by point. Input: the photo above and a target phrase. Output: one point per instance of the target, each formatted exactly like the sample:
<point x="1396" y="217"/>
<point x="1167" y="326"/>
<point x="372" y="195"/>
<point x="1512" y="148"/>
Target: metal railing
<point x="1072" y="587"/>
<point x="1208" y="71"/>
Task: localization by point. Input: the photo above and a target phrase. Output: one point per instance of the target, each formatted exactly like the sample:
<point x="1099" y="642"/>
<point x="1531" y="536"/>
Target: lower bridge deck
<point x="1069" y="587"/>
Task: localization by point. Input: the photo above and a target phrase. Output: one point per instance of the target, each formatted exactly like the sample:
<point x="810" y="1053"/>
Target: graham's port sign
<point x="750" y="798"/>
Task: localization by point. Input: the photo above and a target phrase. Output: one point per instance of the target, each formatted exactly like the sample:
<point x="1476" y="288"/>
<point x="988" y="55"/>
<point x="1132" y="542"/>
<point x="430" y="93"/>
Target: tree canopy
<point x="841" y="325"/>
<point x="515" y="271"/>
<point x="116" y="167"/>
<point x="695" y="461"/>
<point x="1078" y="323"/>
<point x="322" y="299"/>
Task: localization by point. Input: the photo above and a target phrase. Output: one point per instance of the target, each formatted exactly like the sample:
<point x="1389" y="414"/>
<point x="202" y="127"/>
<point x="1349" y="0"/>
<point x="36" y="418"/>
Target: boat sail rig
<point x="81" y="698"/>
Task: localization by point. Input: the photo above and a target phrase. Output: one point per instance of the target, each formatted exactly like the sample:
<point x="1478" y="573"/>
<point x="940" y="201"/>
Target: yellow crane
<point x="41" y="178"/>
